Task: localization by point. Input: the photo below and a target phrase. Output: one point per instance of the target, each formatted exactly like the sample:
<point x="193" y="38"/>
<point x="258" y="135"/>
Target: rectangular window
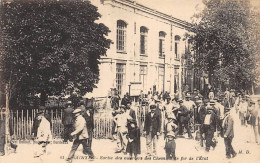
<point x="176" y="80"/>
<point x="143" y="77"/>
<point x="120" y="77"/>
<point x="143" y="44"/>
<point x="176" y="51"/>
<point x="161" y="79"/>
<point x="121" y="36"/>
<point x="161" y="47"/>
<point x="143" y="40"/>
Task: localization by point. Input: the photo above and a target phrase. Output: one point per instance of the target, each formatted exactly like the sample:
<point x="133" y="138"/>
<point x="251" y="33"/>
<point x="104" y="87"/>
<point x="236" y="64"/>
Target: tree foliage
<point x="49" y="46"/>
<point x="227" y="42"/>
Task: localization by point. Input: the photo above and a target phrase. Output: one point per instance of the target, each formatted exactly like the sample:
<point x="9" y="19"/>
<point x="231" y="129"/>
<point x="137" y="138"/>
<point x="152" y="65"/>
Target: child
<point x="170" y="136"/>
<point x="133" y="145"/>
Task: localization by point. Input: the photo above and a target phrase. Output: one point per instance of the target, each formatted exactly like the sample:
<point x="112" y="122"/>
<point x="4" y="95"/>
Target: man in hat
<point x="133" y="136"/>
<point x="202" y="111"/>
<point x="43" y="136"/>
<point x="122" y="120"/>
<point x="211" y="94"/>
<point x="209" y="126"/>
<point x="191" y="106"/>
<point x="152" y="128"/>
<point x="80" y="132"/>
<point x="171" y="130"/>
<point x="129" y="110"/>
<point x="228" y="129"/>
<point x="232" y="98"/>
<point x="36" y="121"/>
<point x="243" y="110"/>
<point x="237" y="102"/>
<point x="89" y="117"/>
<point x="68" y="121"/>
<point x="183" y="119"/>
<point x="253" y="121"/>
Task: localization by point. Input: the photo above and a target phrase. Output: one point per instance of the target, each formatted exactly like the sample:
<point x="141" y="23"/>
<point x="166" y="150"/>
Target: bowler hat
<point x="212" y="102"/>
<point x="76" y="111"/>
<point x="40" y="112"/>
<point x="252" y="101"/>
<point x="188" y="96"/>
<point x="226" y="109"/>
<point x="199" y="101"/>
<point x="123" y="106"/>
<point x="152" y="106"/>
<point x="180" y="101"/>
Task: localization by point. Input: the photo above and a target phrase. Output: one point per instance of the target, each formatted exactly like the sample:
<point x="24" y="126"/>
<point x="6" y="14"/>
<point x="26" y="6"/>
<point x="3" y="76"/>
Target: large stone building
<point x="147" y="51"/>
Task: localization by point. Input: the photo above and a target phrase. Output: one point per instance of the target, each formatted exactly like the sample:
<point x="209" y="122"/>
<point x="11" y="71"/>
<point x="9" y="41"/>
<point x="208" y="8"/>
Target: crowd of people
<point x="200" y="117"/>
<point x="207" y="116"/>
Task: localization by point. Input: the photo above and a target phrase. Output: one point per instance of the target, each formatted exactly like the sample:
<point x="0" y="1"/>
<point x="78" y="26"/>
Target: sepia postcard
<point x="129" y="81"/>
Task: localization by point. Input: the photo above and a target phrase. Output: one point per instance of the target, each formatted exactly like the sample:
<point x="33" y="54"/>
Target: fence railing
<point x="22" y="122"/>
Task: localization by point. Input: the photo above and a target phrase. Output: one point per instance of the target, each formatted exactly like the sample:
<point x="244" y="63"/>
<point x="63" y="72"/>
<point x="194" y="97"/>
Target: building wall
<point x="136" y="15"/>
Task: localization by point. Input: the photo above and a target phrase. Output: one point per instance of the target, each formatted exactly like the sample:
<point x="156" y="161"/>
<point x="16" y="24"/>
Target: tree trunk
<point x="43" y="98"/>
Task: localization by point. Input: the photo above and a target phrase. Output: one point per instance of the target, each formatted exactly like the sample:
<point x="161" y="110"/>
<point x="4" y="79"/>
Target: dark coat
<point x="68" y="118"/>
<point x="213" y="122"/>
<point x="132" y="114"/>
<point x="228" y="128"/>
<point x="135" y="146"/>
<point x="183" y="114"/>
<point x="154" y="122"/>
<point x="201" y="114"/>
<point x="89" y="119"/>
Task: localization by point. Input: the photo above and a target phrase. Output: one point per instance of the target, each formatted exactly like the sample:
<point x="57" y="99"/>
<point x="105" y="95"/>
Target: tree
<point x="226" y="43"/>
<point x="49" y="46"/>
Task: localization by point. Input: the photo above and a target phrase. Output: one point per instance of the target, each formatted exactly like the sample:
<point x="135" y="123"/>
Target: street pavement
<point x="187" y="150"/>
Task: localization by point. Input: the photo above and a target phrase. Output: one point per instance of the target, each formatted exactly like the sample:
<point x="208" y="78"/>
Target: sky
<point x="182" y="9"/>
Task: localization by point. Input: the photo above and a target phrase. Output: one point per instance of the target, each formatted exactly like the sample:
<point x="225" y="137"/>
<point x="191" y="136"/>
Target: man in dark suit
<point x="130" y="110"/>
<point x="89" y="117"/>
<point x="68" y="121"/>
<point x="209" y="127"/>
<point x="152" y="127"/>
<point x="228" y="129"/>
<point x="201" y="113"/>
<point x="183" y="119"/>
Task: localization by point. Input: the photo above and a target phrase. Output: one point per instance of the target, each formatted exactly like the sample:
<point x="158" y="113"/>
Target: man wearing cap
<point x="183" y="119"/>
<point x="171" y="130"/>
<point x="129" y="110"/>
<point x="191" y="106"/>
<point x="227" y="97"/>
<point x="68" y="121"/>
<point x="209" y="127"/>
<point x="228" y="131"/>
<point x="243" y="110"/>
<point x="89" y="118"/>
<point x="122" y="120"/>
<point x="152" y="128"/>
<point x="43" y="136"/>
<point x="237" y="102"/>
<point x="253" y="120"/>
<point x="80" y="132"/>
<point x="202" y="111"/>
<point x="211" y="94"/>
<point x="36" y="121"/>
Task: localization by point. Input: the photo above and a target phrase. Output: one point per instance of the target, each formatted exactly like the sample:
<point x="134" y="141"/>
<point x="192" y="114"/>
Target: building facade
<point x="147" y="51"/>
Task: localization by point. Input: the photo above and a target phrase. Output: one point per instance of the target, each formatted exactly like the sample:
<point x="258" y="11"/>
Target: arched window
<point x="121" y="36"/>
<point x="161" y="44"/>
<point x="143" y="40"/>
<point x="177" y="42"/>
